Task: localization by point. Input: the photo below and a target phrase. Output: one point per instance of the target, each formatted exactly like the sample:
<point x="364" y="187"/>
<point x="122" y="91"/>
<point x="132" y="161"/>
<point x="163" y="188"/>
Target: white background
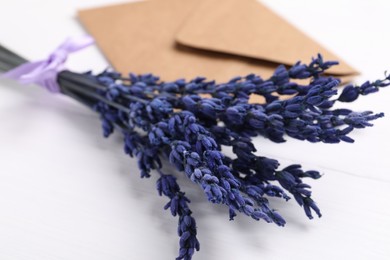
<point x="68" y="193"/>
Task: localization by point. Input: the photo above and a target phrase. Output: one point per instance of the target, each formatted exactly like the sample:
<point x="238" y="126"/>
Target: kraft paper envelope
<point x="218" y="39"/>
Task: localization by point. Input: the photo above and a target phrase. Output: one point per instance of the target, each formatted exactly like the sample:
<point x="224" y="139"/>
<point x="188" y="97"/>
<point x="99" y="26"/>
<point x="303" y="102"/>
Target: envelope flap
<point x="248" y="28"/>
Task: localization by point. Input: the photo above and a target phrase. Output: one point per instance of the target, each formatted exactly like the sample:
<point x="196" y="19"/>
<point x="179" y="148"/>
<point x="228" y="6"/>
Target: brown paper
<point x="218" y="39"/>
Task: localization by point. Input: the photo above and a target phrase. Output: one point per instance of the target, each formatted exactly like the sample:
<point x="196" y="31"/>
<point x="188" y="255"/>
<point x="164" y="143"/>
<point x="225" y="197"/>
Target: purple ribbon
<point x="45" y="72"/>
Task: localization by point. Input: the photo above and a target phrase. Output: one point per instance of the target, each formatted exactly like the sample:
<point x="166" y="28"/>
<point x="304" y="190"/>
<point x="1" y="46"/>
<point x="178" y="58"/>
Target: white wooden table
<point x="68" y="193"/>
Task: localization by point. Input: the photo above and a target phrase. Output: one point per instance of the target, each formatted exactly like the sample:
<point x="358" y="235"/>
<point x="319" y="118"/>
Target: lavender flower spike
<point x="189" y="124"/>
<point x="184" y="127"/>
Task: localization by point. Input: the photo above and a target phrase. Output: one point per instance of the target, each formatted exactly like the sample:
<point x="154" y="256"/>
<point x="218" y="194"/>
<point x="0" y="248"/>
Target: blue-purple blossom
<point x="188" y="123"/>
<point x="178" y="205"/>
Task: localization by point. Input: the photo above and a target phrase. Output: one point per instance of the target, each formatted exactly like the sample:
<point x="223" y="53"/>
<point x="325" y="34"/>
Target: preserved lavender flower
<point x="187" y="123"/>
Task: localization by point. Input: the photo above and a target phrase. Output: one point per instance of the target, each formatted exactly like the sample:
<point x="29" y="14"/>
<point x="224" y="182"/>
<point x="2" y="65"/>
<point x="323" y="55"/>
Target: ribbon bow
<point x="45" y="72"/>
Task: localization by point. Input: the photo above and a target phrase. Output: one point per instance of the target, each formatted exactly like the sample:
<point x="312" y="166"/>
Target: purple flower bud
<point x="349" y="94"/>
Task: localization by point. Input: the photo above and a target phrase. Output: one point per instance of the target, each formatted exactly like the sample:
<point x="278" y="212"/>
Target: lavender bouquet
<point x="186" y="123"/>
